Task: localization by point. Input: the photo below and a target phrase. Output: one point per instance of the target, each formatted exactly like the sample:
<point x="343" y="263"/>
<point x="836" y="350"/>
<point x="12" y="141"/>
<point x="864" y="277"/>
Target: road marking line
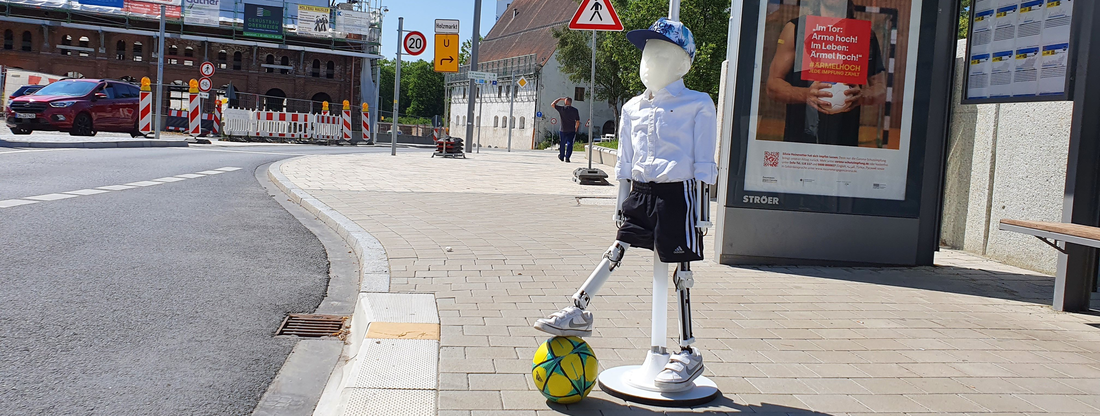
<point x="83" y="192"/>
<point x="32" y="150"/>
<point x="116" y="187"/>
<point x="240" y="151"/>
<point x="144" y="183"/>
<point x="50" y="197"/>
<point x="7" y="203"/>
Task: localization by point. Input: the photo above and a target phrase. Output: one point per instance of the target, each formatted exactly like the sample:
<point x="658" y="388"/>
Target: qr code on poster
<point x="771" y="159"/>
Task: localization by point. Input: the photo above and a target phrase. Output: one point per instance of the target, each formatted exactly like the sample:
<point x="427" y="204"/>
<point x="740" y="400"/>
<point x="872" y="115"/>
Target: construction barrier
<point x="145" y="110"/>
<point x="345" y="121"/>
<point x="366" y="124"/>
<point x="237" y="122"/>
<point x="282" y="125"/>
<point x="216" y="127"/>
<point x="194" y="125"/>
<point x="325" y="127"/>
<point x="180" y="120"/>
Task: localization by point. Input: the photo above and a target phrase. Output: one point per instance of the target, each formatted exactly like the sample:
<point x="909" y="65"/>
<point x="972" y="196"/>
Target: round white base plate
<point x="613" y="381"/>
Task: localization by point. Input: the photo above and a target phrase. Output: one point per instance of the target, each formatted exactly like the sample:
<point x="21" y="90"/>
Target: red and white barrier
<point x="325" y="127"/>
<point x="216" y="126"/>
<point x="282" y="125"/>
<point x="186" y="116"/>
<point x="345" y="122"/>
<point x="193" y="122"/>
<point x="145" y="112"/>
<point x="366" y="124"/>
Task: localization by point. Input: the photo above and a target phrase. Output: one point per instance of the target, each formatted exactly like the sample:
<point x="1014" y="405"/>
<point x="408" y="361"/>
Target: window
<point x="513" y="123"/>
<point x="496" y="121"/>
<point x="137" y="52"/>
<point x="284" y="62"/>
<point x="74" y="74"/>
<point x="578" y="94"/>
<point x="316" y="72"/>
<point x="173" y="51"/>
<point x="189" y="52"/>
<point x="270" y="60"/>
<point x="477" y="121"/>
<point x="120" y="50"/>
<point x="521" y="127"/>
<point x="222" y="58"/>
<point x="27" y="39"/>
<point x="66" y="41"/>
<point x="84" y="44"/>
<point x="330" y="70"/>
<point x="500" y="90"/>
<point x="236" y="61"/>
<point x="9" y="40"/>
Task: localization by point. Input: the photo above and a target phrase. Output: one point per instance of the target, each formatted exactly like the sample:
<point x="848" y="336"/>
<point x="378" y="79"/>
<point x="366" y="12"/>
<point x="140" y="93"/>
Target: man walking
<point x="570" y="122"/>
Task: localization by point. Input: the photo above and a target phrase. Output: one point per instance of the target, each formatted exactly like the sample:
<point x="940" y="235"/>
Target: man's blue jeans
<point x="565" y="150"/>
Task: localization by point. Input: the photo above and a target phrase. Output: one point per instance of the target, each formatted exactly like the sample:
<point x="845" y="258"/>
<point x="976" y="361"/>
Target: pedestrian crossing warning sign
<point x="596" y="15"/>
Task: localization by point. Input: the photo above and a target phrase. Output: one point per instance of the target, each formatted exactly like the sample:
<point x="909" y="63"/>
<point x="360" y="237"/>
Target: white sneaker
<point x="683" y="368"/>
<point x="571" y="321"/>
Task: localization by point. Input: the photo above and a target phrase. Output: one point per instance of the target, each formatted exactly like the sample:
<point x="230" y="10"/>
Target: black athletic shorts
<point x="661" y="217"/>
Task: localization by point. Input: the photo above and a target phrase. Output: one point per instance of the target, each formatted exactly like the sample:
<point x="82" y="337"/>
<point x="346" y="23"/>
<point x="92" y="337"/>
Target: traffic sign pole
<point x="511" y="104"/>
<point x="592" y="99"/>
<point x="474" y="40"/>
<point x="396" y="90"/>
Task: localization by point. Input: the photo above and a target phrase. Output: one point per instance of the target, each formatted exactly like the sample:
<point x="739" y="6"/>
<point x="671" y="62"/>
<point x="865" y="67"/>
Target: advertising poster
<point x="263" y="21"/>
<point x="830" y="113"/>
<point x="150" y="10"/>
<point x="313" y="20"/>
<point x="201" y="12"/>
<point x="350" y="21"/>
<point x="106" y="3"/>
<point x="1036" y="33"/>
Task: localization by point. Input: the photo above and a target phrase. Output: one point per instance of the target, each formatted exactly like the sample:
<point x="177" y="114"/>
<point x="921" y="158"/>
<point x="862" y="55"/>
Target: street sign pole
<point x="160" y="75"/>
<point x="591" y="99"/>
<point x="481" y="106"/>
<point x="474" y="40"/>
<point x="511" y="103"/>
<point x="396" y="89"/>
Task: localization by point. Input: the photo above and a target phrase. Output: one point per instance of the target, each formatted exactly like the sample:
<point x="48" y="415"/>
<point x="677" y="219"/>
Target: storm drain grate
<point x="312" y="326"/>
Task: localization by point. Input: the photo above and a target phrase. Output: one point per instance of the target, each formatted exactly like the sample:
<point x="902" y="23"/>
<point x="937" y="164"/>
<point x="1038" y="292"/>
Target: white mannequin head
<point x="662" y="64"/>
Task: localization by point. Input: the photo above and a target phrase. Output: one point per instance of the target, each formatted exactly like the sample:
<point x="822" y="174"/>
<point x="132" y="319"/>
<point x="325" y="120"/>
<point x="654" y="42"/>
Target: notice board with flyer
<point x="1019" y="51"/>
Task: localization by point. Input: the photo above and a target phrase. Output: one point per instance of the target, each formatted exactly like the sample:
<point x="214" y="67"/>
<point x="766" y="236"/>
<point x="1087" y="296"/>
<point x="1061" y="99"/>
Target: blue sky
<point x="420" y="15"/>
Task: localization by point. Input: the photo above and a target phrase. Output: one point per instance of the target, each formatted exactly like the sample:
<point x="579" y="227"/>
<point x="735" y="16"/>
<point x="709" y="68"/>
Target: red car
<point x="81" y="107"/>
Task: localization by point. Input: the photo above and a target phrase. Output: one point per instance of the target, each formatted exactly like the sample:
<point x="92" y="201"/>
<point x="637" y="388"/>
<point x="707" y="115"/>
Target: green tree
<point x="422" y="89"/>
<point x="617" y="60"/>
<point x="464" y="50"/>
<point x="964" y="19"/>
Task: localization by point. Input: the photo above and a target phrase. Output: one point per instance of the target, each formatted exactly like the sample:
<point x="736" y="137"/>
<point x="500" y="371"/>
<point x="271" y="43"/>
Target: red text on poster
<point x="836" y="50"/>
<point x="151" y="9"/>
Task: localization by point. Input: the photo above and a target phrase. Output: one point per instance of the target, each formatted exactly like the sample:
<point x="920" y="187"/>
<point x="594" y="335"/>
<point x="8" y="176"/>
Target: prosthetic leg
<point x="646" y="383"/>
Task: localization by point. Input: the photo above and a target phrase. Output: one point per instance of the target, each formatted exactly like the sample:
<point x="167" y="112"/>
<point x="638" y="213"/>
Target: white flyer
<point x="981" y="32"/>
<point x="1000" y="74"/>
<point x="1057" y="17"/>
<point x="978" y="81"/>
<point x="1029" y="23"/>
<point x="1052" y="73"/>
<point x="1025" y="81"/>
<point x="1004" y="28"/>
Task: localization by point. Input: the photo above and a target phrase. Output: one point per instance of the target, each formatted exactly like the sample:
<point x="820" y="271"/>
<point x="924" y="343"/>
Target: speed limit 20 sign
<point x="415" y="43"/>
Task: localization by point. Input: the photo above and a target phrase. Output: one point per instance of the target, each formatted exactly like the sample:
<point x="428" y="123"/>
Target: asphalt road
<point x="159" y="299"/>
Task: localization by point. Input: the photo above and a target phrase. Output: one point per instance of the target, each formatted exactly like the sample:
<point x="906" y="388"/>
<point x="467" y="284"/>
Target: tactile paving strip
<point x="390" y="402"/>
<point x="402" y="307"/>
<point x="397" y="364"/>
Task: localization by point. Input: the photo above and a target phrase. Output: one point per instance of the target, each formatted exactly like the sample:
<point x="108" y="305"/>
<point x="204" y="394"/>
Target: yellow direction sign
<point x="446" y="52"/>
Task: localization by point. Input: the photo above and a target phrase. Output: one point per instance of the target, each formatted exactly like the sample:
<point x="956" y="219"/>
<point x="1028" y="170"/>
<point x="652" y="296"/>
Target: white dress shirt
<point x="668" y="136"/>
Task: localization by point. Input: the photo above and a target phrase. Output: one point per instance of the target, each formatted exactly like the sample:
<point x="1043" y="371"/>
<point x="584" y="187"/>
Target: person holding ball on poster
<point x="826" y="66"/>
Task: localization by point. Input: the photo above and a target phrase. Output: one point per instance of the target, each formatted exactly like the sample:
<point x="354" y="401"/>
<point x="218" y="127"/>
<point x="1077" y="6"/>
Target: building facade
<point x="521" y="44"/>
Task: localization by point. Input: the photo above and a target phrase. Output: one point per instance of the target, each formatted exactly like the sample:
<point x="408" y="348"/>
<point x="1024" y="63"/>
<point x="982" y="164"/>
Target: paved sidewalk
<point x="501" y="239"/>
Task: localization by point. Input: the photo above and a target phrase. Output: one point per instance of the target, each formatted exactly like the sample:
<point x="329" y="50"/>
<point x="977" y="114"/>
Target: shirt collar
<point x="674" y="89"/>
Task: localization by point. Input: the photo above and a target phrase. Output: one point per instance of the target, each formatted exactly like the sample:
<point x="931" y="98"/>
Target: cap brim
<point x="638" y="37"/>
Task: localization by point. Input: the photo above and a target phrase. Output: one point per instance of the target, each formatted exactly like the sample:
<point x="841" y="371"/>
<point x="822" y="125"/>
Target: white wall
<point x="1005" y="161"/>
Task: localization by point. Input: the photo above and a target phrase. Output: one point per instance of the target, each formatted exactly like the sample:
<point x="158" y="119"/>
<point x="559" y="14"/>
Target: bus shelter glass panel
<point x="831" y="108"/>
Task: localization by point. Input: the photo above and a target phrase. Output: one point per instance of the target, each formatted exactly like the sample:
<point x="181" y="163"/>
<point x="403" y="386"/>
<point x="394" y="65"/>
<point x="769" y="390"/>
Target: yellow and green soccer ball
<point x="564" y="369"/>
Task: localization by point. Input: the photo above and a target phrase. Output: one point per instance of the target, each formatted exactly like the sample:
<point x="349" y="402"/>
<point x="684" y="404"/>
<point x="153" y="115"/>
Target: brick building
<point x="97" y="46"/>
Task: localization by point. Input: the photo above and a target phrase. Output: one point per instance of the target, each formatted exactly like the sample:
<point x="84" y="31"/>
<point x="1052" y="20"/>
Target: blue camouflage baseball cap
<point x="668" y="31"/>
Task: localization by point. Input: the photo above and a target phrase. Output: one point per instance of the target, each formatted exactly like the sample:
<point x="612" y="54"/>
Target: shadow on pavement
<point x="720" y="406"/>
<point x="1029" y="288"/>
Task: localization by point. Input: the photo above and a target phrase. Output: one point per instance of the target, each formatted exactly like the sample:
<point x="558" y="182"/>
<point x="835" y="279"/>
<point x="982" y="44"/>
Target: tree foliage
<point x="464" y="50"/>
<point x="617" y="60"/>
<point x="964" y="19"/>
<point x="422" y="90"/>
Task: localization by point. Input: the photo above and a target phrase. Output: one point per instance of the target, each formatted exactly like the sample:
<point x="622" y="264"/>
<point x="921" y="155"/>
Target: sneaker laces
<point x="562" y="313"/>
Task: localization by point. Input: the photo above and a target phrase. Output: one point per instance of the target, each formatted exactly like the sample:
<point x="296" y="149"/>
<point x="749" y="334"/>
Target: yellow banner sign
<point x="446" y="52"/>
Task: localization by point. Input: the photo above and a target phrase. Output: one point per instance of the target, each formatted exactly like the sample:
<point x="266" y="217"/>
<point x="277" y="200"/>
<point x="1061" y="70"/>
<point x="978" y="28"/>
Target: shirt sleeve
<point x="706" y="138"/>
<point x="625" y="157"/>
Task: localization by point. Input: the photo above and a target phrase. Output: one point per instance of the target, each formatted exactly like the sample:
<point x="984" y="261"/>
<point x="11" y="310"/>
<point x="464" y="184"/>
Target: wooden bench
<point x="1080" y="286"/>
